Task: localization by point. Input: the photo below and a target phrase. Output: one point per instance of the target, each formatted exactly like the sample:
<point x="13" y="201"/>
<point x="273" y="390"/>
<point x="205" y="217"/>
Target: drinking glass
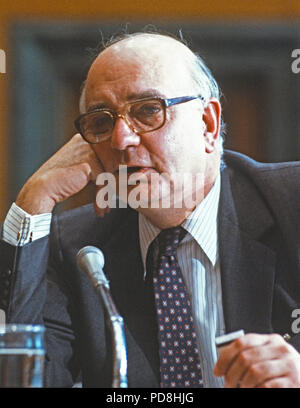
<point x="22" y="355"/>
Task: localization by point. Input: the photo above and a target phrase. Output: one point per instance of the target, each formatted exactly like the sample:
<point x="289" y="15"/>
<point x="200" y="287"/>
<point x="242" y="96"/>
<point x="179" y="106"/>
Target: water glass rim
<point x="21" y="328"/>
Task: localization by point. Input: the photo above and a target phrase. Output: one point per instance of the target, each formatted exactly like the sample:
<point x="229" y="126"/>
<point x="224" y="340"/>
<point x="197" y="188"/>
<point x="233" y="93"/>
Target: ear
<point x="212" y="121"/>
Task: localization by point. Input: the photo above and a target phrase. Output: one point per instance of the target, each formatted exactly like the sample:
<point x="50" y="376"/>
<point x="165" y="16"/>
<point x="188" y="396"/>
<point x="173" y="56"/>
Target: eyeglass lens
<point x="144" y="116"/>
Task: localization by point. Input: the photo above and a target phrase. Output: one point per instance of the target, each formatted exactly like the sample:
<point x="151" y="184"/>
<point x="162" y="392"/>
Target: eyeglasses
<point x="142" y="116"/>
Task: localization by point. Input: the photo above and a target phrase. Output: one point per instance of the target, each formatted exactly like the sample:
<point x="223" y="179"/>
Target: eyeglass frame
<point x="166" y="103"/>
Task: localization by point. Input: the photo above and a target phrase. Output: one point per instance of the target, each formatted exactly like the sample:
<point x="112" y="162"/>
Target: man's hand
<point x="66" y="173"/>
<point x="263" y="361"/>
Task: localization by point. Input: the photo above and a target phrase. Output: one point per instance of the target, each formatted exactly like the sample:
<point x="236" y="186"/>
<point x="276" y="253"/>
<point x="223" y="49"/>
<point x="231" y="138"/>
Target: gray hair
<point x="208" y="87"/>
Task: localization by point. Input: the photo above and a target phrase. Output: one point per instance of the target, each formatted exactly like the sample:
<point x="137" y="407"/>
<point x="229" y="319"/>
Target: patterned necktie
<point x="179" y="358"/>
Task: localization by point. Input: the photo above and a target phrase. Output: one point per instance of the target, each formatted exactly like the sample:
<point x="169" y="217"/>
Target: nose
<point x="123" y="135"/>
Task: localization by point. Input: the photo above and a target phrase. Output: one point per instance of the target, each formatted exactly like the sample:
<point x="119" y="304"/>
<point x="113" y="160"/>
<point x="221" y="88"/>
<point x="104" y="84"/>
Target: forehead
<point x="137" y="65"/>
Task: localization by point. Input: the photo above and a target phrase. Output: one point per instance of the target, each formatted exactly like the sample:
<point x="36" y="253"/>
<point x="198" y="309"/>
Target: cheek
<point x="187" y="153"/>
<point x="176" y="149"/>
<point x="162" y="153"/>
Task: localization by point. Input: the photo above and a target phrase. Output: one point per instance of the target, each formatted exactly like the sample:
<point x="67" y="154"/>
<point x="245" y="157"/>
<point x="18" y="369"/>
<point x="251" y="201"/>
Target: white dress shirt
<point x="20" y="228"/>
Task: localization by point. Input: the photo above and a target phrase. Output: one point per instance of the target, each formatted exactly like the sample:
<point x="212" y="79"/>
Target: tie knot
<point x="168" y="240"/>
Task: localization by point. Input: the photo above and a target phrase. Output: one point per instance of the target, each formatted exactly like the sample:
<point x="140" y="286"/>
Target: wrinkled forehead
<point x="155" y="58"/>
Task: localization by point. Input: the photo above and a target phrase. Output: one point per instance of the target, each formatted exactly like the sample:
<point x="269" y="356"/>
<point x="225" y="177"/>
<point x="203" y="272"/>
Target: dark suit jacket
<point x="259" y="245"/>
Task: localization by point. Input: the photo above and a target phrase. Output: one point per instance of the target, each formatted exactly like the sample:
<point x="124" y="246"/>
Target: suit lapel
<point x="133" y="298"/>
<point x="247" y="265"/>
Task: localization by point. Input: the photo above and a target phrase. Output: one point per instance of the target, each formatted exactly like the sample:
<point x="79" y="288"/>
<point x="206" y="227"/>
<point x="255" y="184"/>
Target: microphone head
<point x="91" y="261"/>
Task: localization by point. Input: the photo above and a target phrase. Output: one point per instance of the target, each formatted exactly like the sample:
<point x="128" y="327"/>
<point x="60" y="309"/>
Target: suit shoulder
<point x="237" y="159"/>
<point x="266" y="190"/>
<point x="278" y="184"/>
<point x="278" y="175"/>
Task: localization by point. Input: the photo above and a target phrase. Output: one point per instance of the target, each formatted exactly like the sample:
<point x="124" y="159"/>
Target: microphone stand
<point x="118" y="337"/>
<point x="91" y="261"/>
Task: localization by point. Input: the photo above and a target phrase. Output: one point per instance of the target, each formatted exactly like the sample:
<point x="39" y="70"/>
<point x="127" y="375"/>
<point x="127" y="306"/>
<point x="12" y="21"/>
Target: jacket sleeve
<point x="33" y="292"/>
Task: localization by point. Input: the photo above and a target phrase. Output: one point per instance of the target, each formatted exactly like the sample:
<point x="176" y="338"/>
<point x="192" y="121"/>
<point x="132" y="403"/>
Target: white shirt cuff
<point x="20" y="228"/>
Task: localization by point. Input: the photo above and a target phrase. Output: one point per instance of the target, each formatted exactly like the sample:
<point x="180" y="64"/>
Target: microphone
<point x="90" y="260"/>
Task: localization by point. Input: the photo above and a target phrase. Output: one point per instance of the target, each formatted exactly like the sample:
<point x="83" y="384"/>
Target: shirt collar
<point x="201" y="225"/>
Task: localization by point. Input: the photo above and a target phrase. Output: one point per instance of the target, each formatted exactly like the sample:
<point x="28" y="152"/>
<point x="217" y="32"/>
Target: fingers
<point x="267" y="370"/>
<point x="75" y="151"/>
<point x="66" y="182"/>
<point x="79" y="151"/>
<point x="89" y="156"/>
<point x="230" y="352"/>
<point x="280" y="382"/>
<point x="96" y="166"/>
<point x="259" y="361"/>
<point x="67" y="172"/>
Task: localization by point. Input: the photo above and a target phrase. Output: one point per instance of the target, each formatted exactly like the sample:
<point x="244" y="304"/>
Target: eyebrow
<point x="154" y="93"/>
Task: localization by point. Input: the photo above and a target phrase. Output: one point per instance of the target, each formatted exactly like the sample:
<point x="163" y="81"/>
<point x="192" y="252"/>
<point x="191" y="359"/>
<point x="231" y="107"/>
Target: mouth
<point x="133" y="169"/>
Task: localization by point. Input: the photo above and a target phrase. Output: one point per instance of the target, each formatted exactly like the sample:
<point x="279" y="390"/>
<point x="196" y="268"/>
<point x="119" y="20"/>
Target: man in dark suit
<point x="151" y="105"/>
